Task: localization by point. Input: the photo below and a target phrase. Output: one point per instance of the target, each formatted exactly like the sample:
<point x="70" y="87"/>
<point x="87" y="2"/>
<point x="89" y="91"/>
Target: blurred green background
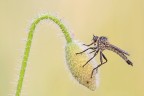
<point x="122" y="21"/>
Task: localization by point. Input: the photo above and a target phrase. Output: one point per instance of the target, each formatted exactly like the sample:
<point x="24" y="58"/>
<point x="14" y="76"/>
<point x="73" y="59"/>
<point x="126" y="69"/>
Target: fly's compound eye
<point x="103" y="39"/>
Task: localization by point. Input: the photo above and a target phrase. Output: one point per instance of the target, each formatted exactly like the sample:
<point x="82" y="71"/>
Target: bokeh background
<point x="122" y="21"/>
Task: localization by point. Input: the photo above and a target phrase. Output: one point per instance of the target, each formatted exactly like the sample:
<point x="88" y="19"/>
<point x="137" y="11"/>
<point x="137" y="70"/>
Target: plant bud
<point x="75" y="64"/>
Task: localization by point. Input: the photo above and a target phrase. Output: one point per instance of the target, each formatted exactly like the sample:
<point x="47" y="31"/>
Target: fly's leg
<point x="101" y="56"/>
<point x="92" y="51"/>
<point x="86" y="50"/>
<point x="104" y="57"/>
<point x="91" y="58"/>
<point x="88" y="44"/>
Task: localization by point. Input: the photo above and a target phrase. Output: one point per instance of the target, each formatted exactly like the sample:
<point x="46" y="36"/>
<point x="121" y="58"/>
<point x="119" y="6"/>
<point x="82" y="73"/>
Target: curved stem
<point x="28" y="45"/>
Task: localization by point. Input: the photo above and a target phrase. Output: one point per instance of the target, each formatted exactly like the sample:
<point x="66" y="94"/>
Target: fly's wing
<point x="120" y="50"/>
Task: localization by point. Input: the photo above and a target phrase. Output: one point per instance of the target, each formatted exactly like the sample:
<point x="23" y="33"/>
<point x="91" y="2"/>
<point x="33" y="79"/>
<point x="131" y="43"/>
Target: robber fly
<point x="100" y="44"/>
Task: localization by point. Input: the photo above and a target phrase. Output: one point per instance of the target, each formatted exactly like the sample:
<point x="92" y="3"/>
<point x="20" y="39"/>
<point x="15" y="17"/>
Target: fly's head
<point x="103" y="40"/>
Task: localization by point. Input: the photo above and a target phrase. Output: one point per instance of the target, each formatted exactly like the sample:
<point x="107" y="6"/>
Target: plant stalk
<point x="29" y="42"/>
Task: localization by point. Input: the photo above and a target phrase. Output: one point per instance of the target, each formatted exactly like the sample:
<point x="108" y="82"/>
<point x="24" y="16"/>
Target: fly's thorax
<point x="102" y="45"/>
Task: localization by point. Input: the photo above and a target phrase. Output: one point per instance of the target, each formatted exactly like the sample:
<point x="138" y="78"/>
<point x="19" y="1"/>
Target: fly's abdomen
<point x="119" y="52"/>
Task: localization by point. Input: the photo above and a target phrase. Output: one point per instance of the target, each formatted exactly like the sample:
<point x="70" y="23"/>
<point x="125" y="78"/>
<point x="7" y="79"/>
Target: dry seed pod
<point x="75" y="64"/>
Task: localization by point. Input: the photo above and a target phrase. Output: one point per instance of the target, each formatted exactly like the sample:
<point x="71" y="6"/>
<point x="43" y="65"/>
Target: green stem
<point x="29" y="42"/>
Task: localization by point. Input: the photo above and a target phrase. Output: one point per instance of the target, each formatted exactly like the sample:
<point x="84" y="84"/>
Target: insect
<point x="100" y="44"/>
